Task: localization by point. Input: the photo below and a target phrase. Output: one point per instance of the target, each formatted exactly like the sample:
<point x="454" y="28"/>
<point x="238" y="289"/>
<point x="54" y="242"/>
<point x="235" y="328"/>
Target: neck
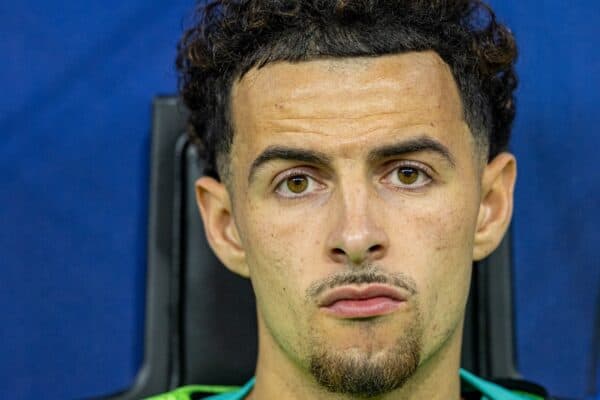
<point x="278" y="377"/>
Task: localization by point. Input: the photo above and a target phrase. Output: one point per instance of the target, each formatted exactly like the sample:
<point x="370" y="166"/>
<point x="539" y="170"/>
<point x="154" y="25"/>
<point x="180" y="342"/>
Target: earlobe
<point x="496" y="206"/>
<point x="219" y="224"/>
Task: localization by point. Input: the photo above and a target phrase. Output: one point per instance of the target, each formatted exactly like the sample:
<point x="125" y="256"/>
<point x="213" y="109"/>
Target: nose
<point x="356" y="237"/>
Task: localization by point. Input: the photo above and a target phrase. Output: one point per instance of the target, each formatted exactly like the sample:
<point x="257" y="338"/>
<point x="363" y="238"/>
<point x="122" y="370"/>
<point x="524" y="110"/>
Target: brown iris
<point x="297" y="184"/>
<point x="408" y="175"/>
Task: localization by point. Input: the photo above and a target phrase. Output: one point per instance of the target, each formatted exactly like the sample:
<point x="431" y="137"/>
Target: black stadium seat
<point x="200" y="318"/>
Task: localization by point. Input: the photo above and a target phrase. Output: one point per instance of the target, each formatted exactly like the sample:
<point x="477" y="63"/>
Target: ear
<point x="495" y="210"/>
<point x="219" y="224"/>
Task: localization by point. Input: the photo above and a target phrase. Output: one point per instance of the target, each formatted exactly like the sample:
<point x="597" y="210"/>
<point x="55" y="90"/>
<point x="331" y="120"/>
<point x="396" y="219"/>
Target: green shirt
<point x="488" y="391"/>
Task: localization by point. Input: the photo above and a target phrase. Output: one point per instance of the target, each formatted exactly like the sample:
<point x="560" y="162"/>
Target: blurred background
<point x="76" y="84"/>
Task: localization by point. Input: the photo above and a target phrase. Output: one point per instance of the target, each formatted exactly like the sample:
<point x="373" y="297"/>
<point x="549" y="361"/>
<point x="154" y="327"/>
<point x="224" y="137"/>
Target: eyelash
<point x="422" y="169"/>
<point x="290" y="174"/>
<point x="301" y="172"/>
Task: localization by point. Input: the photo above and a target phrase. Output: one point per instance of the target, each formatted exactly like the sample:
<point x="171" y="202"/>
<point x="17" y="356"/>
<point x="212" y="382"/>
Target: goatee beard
<point x="366" y="375"/>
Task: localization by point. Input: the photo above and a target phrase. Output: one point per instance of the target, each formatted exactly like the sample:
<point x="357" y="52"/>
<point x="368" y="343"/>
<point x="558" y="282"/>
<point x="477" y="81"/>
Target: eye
<point x="408" y="177"/>
<point x="296" y="185"/>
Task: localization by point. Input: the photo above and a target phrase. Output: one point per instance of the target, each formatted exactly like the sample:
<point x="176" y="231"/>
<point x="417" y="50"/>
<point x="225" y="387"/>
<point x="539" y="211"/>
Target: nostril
<point x="338" y="255"/>
<point x="375" y="248"/>
<point x="338" y="252"/>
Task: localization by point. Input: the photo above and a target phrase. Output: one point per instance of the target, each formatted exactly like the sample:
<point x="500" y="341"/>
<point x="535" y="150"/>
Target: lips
<point x="362" y="302"/>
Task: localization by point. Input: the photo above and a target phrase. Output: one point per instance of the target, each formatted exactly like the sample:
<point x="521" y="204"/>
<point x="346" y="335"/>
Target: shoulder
<point x="184" y="393"/>
<point x="474" y="387"/>
<point x="196" y="392"/>
<point x="527" y="389"/>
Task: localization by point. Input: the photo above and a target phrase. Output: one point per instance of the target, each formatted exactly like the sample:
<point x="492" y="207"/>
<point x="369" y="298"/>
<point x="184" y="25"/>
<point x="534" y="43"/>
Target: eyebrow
<point x="287" y="153"/>
<point x="419" y="144"/>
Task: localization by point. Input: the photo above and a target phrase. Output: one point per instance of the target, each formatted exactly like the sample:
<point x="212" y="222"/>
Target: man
<point x="357" y="168"/>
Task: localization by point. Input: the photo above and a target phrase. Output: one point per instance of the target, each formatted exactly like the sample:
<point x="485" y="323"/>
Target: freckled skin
<point x="344" y="108"/>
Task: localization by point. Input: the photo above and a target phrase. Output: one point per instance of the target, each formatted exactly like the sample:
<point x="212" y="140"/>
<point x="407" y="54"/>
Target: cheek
<point x="280" y="241"/>
<point x="434" y="231"/>
<point x="449" y="233"/>
<point x="276" y="245"/>
<point x="281" y="254"/>
<point x="433" y="243"/>
<point x="278" y="255"/>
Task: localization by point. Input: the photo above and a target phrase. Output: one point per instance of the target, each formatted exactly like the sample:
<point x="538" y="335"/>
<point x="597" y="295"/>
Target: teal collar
<point x="488" y="390"/>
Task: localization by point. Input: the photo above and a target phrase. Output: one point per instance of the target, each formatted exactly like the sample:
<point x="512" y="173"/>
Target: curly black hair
<point x="229" y="37"/>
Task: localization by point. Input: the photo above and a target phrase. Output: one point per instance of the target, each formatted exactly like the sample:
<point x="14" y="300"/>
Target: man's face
<point x="355" y="192"/>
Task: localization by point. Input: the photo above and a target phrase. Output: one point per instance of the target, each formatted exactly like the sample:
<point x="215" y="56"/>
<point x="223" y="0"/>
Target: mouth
<point x="362" y="302"/>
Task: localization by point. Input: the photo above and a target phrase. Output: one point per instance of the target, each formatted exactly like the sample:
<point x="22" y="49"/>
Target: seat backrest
<point x="201" y="319"/>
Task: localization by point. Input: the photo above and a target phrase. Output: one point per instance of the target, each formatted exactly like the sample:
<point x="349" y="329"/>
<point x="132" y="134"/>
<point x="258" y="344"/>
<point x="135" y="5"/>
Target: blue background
<point x="77" y="79"/>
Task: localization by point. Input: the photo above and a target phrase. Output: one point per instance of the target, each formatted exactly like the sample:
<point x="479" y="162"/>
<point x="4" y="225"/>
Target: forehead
<point x="347" y="100"/>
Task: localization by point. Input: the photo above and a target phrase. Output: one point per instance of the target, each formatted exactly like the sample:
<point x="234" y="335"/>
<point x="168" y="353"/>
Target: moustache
<point x="369" y="274"/>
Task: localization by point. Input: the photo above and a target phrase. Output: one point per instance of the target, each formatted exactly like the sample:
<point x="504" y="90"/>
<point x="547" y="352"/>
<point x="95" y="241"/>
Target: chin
<point x="366" y="370"/>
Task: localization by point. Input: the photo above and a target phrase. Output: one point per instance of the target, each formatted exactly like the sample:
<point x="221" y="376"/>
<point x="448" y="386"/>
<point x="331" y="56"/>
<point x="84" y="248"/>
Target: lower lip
<point x="363" y="308"/>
